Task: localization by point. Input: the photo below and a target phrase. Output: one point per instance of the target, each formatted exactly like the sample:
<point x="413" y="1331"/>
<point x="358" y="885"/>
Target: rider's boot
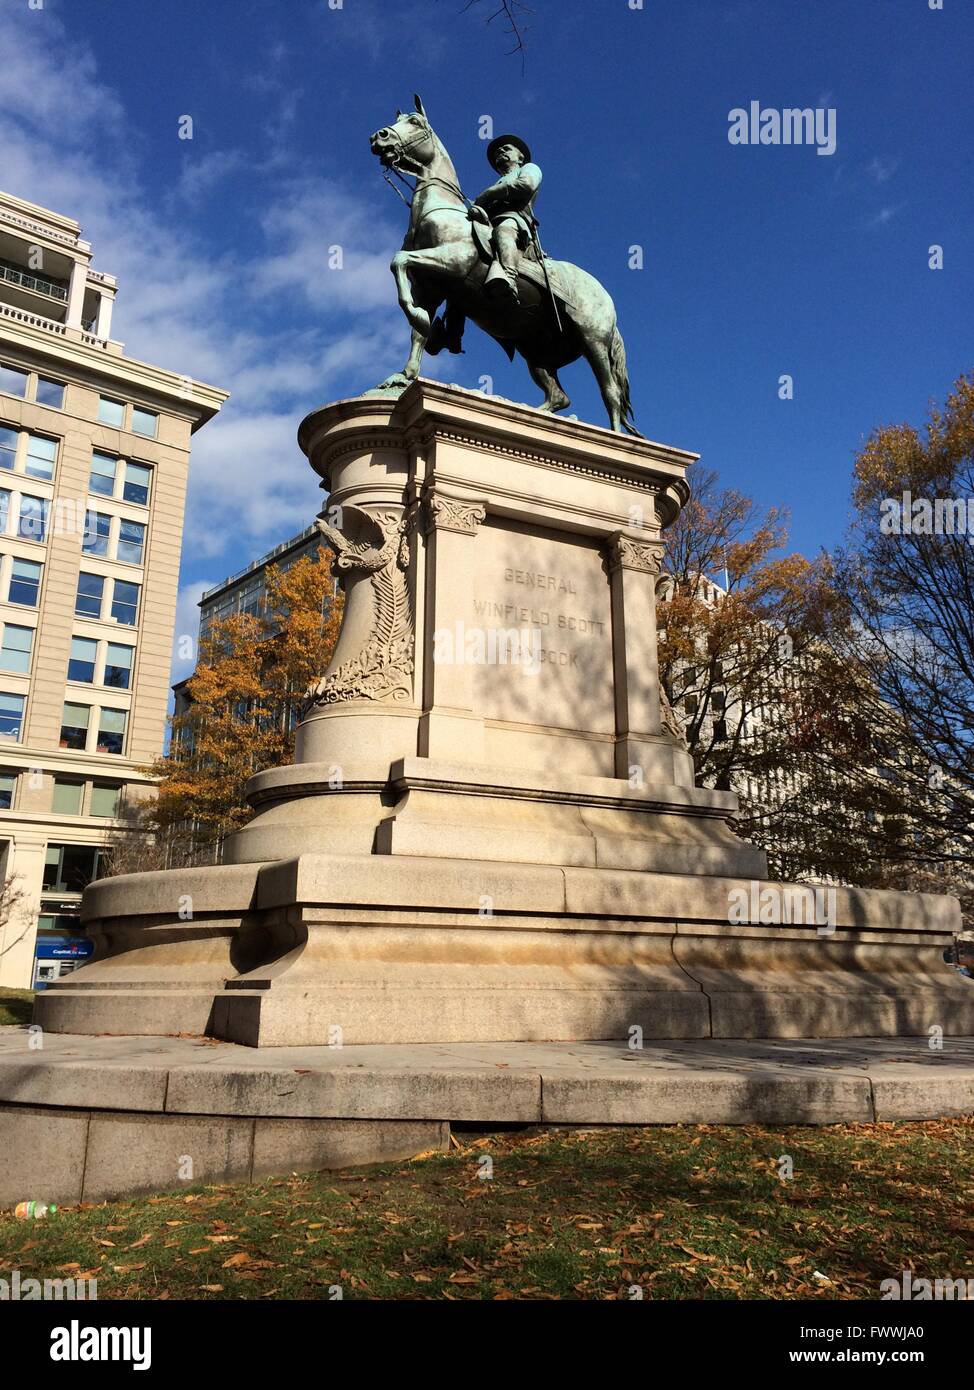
<point x="501" y="282"/>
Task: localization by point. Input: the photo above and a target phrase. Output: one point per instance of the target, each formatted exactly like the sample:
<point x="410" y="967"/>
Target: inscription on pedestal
<point x="542" y="604"/>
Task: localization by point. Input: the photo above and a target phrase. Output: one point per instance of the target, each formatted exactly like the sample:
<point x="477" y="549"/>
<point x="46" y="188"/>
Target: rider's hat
<point x="500" y="140"/>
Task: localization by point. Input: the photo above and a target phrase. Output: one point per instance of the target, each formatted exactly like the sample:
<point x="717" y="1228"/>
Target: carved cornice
<point x="510" y="450"/>
<point x="628" y="553"/>
<point x="454" y="514"/>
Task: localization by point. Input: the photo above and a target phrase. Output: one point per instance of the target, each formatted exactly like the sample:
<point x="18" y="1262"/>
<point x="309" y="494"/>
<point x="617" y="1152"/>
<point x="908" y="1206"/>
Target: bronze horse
<point x="444" y="258"/>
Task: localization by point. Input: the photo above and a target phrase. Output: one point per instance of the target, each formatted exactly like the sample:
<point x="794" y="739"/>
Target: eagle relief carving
<point x="383" y="668"/>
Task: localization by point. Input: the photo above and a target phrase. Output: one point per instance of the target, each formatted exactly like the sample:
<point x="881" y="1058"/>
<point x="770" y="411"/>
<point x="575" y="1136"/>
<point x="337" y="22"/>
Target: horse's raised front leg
<point x="453" y="259"/>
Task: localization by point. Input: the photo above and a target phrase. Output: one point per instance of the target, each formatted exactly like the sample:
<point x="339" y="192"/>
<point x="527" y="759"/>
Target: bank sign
<point x="64" y="948"/>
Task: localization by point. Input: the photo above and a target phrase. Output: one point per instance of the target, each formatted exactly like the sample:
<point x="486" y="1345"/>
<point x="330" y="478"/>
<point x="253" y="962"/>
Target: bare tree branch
<point x="511" y="12"/>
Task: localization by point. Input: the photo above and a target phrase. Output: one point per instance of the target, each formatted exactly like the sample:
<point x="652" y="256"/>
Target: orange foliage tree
<point x="244" y="700"/>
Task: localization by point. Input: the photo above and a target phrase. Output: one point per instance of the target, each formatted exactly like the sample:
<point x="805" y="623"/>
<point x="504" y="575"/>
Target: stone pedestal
<point x="491" y="830"/>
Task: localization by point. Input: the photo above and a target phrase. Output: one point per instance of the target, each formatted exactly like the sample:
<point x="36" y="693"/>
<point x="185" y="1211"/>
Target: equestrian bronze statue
<point x="483" y="261"/>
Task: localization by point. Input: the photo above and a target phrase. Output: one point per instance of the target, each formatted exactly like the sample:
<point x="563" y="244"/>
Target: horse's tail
<point x="617" y="361"/>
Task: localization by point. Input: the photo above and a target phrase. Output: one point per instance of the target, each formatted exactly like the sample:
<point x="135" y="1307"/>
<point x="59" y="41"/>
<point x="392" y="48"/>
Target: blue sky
<point x="758" y="261"/>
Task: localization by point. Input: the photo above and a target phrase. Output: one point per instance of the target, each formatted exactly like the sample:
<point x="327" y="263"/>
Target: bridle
<point x="404" y="145"/>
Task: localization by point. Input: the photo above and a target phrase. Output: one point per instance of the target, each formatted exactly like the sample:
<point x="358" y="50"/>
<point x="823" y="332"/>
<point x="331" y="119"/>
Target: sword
<point x="544" y="271"/>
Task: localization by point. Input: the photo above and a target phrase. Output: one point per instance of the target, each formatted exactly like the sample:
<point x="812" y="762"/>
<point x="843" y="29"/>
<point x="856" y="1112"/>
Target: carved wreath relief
<point x="382" y="670"/>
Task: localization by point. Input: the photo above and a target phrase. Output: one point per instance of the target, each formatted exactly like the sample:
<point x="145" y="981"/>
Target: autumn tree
<point x="906" y="580"/>
<point x="737" y="618"/>
<point x="244" y="700"/>
<point x="769" y="708"/>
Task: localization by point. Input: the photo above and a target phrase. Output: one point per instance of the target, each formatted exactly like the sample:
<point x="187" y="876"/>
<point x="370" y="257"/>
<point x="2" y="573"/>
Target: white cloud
<point x="68" y="144"/>
<point x="881" y="170"/>
<point x="213" y="315"/>
<point x="303" y="228"/>
<point x="884" y="216"/>
<point x="201" y="174"/>
<point x="249" y="484"/>
<point x="187" y="628"/>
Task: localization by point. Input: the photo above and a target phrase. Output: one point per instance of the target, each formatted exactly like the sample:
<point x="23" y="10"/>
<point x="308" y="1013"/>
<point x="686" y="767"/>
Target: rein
<point x="414" y="188"/>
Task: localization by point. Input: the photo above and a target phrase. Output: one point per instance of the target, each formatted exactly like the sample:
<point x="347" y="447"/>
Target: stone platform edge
<point x="99" y="1118"/>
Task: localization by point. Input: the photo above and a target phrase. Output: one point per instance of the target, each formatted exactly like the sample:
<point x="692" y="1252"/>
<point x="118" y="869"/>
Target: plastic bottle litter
<point x="32" y="1211"/>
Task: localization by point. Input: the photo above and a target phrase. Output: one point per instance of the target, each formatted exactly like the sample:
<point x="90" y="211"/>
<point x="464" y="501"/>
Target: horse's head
<point x="409" y="141"/>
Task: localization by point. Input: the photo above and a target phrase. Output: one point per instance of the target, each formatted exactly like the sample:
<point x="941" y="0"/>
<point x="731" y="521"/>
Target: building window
<point x="87" y="603"/>
<point x="41" y="456"/>
<point x="32" y="525"/>
<point x="67" y="796"/>
<point x="104" y="800"/>
<point x="102" y="476"/>
<point x="81" y="666"/>
<point x="137" y="480"/>
<point x="11" y="715"/>
<point x="13" y="381"/>
<point x="70" y="868"/>
<point x="111" y="412"/>
<point x="125" y="602"/>
<point x="4" y="508"/>
<point x="111" y="730"/>
<point x="131" y="542"/>
<point x="8" y="785"/>
<point x="50" y="393"/>
<point x="74" y="726"/>
<point x="8" y="447"/>
<point x="25" y="582"/>
<point x="97" y="529"/>
<point x="118" y="666"/>
<point x="16" y="648"/>
<point x="144" y="422"/>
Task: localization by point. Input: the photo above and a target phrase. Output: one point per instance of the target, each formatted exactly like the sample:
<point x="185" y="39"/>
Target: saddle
<point x="447" y="330"/>
<point x="530" y="266"/>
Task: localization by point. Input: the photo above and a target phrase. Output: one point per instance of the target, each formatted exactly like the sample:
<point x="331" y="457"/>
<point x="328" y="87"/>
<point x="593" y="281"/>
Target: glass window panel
<point x="118" y="665"/>
<point x="125" y="602"/>
<point x="70" y="868"/>
<point x="41" y="456"/>
<point x="131" y="540"/>
<point x="4" y="508"/>
<point x="84" y="653"/>
<point x="32" y="525"/>
<point x="13" y="381"/>
<point x="25" y="581"/>
<point x="8" y="446"/>
<point x="102" y="477"/>
<point x="50" y="392"/>
<point x="74" y="725"/>
<point x="87" y="603"/>
<point x="97" y="529"/>
<point x="104" y="800"/>
<point x="8" y="783"/>
<point x="111" y="730"/>
<point x="111" y="412"/>
<point x="11" y="715"/>
<point x="16" y="648"/>
<point x="144" y="422"/>
<point x="67" y="796"/>
<point x="136" y="487"/>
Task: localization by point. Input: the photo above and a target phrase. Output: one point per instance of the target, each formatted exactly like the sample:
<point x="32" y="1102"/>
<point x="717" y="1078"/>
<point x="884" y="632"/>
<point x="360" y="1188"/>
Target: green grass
<point x="684" y="1212"/>
<point x="16" y="1005"/>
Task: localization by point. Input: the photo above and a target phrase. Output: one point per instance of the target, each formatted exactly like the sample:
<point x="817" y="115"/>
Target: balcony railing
<point x="7" y="311"/>
<point x="32" y="282"/>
